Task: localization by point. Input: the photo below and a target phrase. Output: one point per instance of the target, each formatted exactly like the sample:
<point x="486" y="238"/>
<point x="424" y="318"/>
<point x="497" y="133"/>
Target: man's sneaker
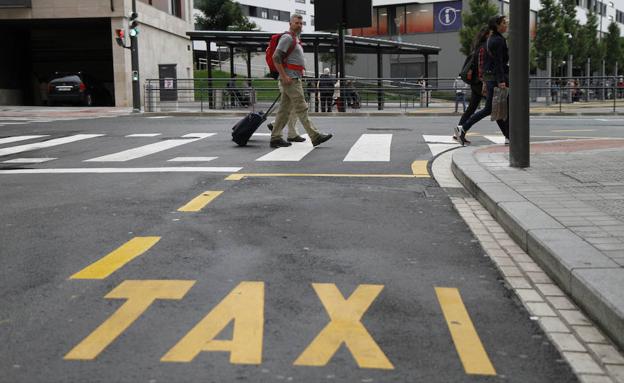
<point x="280" y="143"/>
<point x="270" y="126"/>
<point x="465" y="140"/>
<point x="296" y="139"/>
<point x="461" y="135"/>
<point x="321" y="138"/>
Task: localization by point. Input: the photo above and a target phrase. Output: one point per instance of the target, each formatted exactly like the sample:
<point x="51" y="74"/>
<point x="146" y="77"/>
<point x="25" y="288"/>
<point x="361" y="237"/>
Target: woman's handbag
<point x="500" y="107"/>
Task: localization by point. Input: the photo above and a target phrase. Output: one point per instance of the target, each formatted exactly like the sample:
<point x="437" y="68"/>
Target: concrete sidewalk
<point x="566" y="211"/>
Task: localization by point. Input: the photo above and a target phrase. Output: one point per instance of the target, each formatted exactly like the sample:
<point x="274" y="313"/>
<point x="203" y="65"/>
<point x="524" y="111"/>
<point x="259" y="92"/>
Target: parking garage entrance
<point x="42" y="47"/>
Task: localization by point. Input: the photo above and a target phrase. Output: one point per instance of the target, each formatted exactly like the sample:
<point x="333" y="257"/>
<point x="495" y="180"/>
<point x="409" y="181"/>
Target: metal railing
<point x="605" y="94"/>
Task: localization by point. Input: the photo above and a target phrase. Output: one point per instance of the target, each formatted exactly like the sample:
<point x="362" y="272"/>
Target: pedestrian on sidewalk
<point x="496" y="75"/>
<point x="477" y="91"/>
<point x="291" y="68"/>
<point x="325" y="85"/>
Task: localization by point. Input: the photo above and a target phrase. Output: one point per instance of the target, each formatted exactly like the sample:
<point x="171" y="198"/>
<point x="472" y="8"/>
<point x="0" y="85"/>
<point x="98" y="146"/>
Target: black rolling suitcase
<point x="245" y="128"/>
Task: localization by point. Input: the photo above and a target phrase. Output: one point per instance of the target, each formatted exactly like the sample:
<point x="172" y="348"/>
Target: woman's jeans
<point x="475" y="100"/>
<point x="503" y="125"/>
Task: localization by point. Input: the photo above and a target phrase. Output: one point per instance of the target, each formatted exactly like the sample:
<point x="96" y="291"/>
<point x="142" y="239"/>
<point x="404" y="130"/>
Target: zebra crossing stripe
<point x="296" y="152"/>
<point x="46" y="144"/>
<point x="28" y="160"/>
<point x="448" y="139"/>
<point x="370" y="148"/>
<point x="439" y="148"/>
<point x="9" y="140"/>
<point x="496" y="139"/>
<point x="142" y="151"/>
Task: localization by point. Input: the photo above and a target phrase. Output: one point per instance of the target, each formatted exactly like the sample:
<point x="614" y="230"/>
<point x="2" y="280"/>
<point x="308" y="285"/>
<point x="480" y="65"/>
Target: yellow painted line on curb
<point x="473" y="356"/>
<point x="240" y="176"/>
<point x="419" y="170"/>
<point x="139" y="297"/>
<point x="199" y="202"/>
<point x="116" y="259"/>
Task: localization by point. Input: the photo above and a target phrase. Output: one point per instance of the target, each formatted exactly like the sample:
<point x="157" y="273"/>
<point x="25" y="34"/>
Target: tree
<point x="480" y="13"/>
<point x="572" y="29"/>
<point x="613" y="47"/>
<point x="222" y="15"/>
<point x="595" y="50"/>
<point x="550" y="34"/>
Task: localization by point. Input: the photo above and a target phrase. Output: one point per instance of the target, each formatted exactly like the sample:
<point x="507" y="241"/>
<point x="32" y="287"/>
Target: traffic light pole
<point x="136" y="84"/>
<point x="519" y="129"/>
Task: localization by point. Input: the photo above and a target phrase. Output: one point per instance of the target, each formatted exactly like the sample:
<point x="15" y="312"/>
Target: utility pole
<point x="519" y="129"/>
<point x="134" y="53"/>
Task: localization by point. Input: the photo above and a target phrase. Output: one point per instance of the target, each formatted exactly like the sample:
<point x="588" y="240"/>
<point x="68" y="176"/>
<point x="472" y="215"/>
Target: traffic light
<point x="133" y="24"/>
<point x="120" y="37"/>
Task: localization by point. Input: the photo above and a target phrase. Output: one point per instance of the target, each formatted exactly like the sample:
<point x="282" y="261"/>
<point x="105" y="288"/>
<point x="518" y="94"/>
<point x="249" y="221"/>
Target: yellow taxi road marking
<point x="140" y="295"/>
<point x="467" y="343"/>
<point x="199" y="202"/>
<point x="572" y="130"/>
<point x="116" y="259"/>
<point x="345" y="326"/>
<point x="245" y="306"/>
<point x="419" y="168"/>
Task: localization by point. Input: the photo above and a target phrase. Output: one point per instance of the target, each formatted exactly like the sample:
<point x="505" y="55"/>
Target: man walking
<point x="460" y="93"/>
<point x="290" y="68"/>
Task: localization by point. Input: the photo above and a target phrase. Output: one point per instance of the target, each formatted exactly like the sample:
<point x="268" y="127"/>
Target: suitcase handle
<point x="270" y="110"/>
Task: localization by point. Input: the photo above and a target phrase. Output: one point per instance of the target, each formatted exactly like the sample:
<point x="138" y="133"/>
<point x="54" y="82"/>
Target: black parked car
<point x="77" y="88"/>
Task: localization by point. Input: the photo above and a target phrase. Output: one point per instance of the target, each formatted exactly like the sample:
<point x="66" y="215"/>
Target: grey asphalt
<point x="287" y="232"/>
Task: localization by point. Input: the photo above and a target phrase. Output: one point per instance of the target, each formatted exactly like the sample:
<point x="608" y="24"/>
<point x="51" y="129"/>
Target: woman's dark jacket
<point x="497" y="59"/>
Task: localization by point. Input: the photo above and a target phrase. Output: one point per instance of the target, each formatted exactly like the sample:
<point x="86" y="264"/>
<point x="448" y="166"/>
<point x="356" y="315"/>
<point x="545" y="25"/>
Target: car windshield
<point x="68" y="78"/>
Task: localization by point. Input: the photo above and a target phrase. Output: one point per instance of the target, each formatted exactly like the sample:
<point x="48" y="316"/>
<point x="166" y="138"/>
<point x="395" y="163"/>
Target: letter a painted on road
<point x="245" y="306"/>
<point x="345" y="326"/>
<point x="140" y="295"/>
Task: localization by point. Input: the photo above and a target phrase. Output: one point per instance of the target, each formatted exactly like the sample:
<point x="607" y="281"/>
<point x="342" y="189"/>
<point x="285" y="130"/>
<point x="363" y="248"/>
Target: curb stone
<point x="580" y="269"/>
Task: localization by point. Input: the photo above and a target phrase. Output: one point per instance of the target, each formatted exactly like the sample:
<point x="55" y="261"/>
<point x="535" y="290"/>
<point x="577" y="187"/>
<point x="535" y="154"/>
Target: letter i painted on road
<point x="140" y="295"/>
<point x="345" y="327"/>
<point x="245" y="306"/>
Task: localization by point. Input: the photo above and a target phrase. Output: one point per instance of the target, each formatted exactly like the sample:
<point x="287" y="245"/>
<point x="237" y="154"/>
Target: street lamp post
<point x="519" y="129"/>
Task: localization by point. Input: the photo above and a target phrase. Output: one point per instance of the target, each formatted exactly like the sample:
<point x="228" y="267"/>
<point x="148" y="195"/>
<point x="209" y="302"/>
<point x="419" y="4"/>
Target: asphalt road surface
<point x="175" y="256"/>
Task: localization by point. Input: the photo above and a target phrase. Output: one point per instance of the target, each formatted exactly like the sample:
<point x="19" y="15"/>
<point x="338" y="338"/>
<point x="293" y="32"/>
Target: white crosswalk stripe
<point x="439" y="144"/>
<point x="496" y="139"/>
<point x="28" y="160"/>
<point x="46" y="144"/>
<point x="146" y="150"/>
<point x="192" y="159"/>
<point x="9" y="140"/>
<point x="295" y="152"/>
<point x="370" y="148"/>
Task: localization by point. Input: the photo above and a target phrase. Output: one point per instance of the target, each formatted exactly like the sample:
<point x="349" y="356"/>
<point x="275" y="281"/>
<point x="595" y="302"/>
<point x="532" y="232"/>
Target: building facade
<point x="79" y="35"/>
<point x="437" y="22"/>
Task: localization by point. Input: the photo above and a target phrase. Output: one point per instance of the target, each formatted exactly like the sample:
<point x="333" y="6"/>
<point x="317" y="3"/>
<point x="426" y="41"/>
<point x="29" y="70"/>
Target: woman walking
<point x="477" y="87"/>
<point x="496" y="74"/>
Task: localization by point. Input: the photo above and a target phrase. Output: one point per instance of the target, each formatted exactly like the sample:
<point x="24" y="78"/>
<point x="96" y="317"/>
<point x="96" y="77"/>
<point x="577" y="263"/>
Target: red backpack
<point x="271" y="50"/>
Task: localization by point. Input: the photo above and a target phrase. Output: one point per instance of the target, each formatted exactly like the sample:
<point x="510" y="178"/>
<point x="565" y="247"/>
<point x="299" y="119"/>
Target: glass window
<point x="419" y="18"/>
<point x="382" y="22"/>
<point x="300" y="1"/>
<point x="264" y="13"/>
<point x="284" y="16"/>
<point x="273" y="14"/>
